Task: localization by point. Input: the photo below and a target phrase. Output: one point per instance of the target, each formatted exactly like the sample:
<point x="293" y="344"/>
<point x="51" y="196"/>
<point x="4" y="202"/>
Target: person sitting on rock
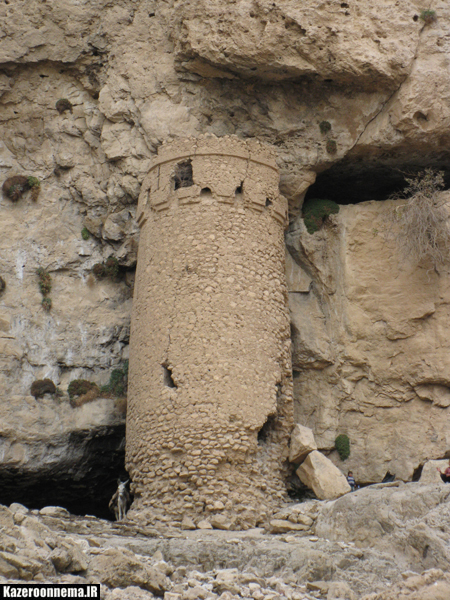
<point x="351" y="481"/>
<point x="445" y="476"/>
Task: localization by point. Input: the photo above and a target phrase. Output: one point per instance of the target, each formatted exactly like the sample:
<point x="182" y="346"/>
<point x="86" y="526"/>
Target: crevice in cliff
<point x="352" y="182"/>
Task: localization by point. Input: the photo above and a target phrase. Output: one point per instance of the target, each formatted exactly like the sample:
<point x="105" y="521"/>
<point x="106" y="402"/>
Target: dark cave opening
<point x="354" y="182"/>
<point x="78" y="473"/>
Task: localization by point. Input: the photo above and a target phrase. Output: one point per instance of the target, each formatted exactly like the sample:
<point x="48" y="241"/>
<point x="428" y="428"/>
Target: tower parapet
<point x="210" y="394"/>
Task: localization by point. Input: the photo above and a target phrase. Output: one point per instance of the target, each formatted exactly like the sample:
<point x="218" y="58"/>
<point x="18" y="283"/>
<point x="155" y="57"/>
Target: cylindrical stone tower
<point x="210" y="393"/>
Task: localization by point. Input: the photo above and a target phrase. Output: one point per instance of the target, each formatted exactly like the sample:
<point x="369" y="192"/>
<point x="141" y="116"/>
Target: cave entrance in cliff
<point x="350" y="182"/>
<point x="83" y="484"/>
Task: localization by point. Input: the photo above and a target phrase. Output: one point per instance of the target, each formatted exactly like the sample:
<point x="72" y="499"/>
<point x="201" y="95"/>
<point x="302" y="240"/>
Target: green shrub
<point x="342" y="445"/>
<point x="85" y="233"/>
<point x="428" y="16"/>
<point x="45" y="281"/>
<point x="35" y="186"/>
<point x="315" y="211"/>
<point x="118" y="382"/>
<point x="45" y="285"/>
<point x="324" y="127"/>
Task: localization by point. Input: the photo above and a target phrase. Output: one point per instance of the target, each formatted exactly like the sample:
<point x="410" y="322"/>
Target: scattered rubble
<point x="320" y="551"/>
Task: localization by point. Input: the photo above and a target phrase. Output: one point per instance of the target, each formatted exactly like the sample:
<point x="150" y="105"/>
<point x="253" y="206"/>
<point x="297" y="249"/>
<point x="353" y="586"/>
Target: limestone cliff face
<point x="139" y="72"/>
<point x="371" y="353"/>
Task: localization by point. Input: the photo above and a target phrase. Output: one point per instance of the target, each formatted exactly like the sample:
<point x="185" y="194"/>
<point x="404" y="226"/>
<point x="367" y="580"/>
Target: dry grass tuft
<point x="423" y="222"/>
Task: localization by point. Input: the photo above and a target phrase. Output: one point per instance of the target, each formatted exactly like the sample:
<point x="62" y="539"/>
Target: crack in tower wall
<point x="211" y="273"/>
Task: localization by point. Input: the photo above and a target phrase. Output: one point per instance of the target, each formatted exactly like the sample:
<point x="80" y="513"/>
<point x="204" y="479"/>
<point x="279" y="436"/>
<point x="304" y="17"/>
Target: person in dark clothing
<point x="351" y="481"/>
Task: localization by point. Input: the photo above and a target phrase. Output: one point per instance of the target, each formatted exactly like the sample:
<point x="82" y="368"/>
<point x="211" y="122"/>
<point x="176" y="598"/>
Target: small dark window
<point x="239" y="189"/>
<point x="268" y="202"/>
<point x="183" y="175"/>
<point x="205" y="192"/>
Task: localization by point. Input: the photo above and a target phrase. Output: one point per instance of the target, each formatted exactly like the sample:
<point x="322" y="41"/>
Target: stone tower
<point x="210" y="396"/>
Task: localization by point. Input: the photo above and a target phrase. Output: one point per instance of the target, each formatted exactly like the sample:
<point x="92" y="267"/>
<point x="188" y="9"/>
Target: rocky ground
<point x="379" y="543"/>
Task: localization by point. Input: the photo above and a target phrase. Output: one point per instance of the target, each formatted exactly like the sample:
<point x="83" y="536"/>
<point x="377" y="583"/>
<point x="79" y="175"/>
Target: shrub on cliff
<point x="79" y="387"/>
<point x="428" y="16"/>
<point x="315" y="212"/>
<point x="422" y="221"/>
<point x="14" y="187"/>
<point x="342" y="445"/>
<point x="82" y="391"/>
<point x="107" y="269"/>
<point x="45" y="286"/>
<point x="118" y="382"/>
<point x="62" y="105"/>
<point x="41" y="387"/>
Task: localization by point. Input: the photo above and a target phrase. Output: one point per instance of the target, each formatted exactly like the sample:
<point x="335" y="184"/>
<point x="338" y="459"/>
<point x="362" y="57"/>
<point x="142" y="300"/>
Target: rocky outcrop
<point x="380" y="315"/>
<point x="287" y="41"/>
<point x="362" y="546"/>
<point x="431" y="585"/>
<point x="385" y="517"/>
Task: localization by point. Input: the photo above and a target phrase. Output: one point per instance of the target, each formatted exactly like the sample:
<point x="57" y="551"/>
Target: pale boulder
<point x="322" y="477"/>
<point x="302" y="443"/>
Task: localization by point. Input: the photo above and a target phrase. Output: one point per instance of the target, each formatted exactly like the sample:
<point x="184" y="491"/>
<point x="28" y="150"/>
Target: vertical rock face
<point x="210" y="398"/>
<point x="371" y="356"/>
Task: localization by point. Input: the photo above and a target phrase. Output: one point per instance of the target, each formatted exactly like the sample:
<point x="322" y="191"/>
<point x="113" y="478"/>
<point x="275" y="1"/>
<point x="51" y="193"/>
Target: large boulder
<point x="302" y="443"/>
<point x="322" y="477"/>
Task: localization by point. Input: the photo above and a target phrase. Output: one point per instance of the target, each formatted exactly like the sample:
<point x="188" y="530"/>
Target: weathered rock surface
<point x="431" y="471"/>
<point x="374" y="538"/>
<point x="280" y="41"/>
<point x="431" y="585"/>
<point x="385" y="314"/>
<point x="322" y="476"/>
<point x="51" y="450"/>
<point x="412" y="519"/>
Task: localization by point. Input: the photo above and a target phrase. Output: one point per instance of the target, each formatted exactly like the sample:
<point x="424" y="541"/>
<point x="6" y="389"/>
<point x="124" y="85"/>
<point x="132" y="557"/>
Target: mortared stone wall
<point x="210" y="395"/>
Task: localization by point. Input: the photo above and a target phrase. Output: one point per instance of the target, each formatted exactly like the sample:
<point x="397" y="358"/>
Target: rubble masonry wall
<point x="210" y="394"/>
